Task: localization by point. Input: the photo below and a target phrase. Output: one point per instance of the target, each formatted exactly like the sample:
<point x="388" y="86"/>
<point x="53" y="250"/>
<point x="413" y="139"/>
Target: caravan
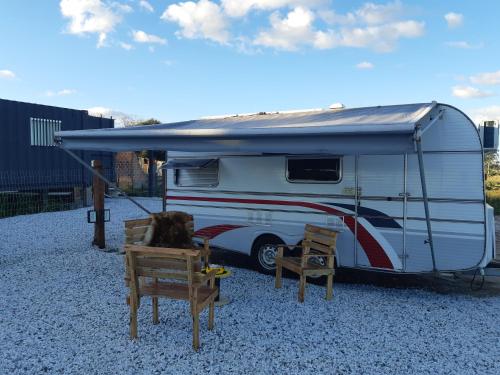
<point x="403" y="184"/>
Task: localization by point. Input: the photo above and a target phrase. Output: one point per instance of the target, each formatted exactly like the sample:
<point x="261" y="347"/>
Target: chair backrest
<point x="135" y="230"/>
<point x="172" y="229"/>
<point x="320" y="239"/>
<point x="161" y="263"/>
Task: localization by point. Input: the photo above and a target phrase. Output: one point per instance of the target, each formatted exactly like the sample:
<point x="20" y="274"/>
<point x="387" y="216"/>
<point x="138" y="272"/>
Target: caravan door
<point x="380" y="214"/>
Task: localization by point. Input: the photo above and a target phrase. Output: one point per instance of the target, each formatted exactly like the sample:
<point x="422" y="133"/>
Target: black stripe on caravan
<point x="376" y="218"/>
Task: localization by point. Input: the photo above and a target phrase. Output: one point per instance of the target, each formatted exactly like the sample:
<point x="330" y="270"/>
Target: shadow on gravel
<point x="442" y="283"/>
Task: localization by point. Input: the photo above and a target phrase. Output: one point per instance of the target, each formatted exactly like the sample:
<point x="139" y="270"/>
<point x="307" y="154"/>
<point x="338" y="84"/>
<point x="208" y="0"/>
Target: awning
<point x="189" y="163"/>
<point x="369" y="130"/>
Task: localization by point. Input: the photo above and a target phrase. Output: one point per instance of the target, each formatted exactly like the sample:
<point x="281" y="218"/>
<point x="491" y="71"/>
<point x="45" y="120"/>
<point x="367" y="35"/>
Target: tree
<point x="151" y="121"/>
<point x="157" y="155"/>
<point x="491" y="164"/>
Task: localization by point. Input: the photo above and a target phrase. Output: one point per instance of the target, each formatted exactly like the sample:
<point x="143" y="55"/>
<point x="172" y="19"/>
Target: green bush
<point x="493" y="199"/>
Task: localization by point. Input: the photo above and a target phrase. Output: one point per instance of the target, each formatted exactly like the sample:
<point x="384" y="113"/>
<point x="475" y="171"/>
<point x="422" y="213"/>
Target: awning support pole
<point x="418" y="142"/>
<point x="93" y="171"/>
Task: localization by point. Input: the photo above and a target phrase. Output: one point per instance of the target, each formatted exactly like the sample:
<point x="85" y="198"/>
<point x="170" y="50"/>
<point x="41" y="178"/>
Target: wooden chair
<point x="318" y="243"/>
<point x="169" y="273"/>
<point x="143" y="232"/>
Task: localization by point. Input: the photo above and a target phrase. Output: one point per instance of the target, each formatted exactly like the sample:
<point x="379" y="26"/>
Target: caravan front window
<point x="206" y="175"/>
<point x="314" y="169"/>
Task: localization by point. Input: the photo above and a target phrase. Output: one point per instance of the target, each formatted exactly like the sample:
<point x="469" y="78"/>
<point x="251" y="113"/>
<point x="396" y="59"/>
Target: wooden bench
<point x="169" y="273"/>
<point x="319" y="243"/>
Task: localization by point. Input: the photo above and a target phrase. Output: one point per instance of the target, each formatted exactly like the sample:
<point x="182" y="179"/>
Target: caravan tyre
<point x="264" y="251"/>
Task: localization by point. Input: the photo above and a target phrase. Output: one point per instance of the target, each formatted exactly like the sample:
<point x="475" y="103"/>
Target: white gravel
<point x="62" y="310"/>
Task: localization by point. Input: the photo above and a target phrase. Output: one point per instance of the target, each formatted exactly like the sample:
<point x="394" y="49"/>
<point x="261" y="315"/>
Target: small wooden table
<point x="222" y="273"/>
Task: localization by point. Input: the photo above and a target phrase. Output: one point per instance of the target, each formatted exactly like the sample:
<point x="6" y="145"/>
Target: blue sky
<point x="178" y="60"/>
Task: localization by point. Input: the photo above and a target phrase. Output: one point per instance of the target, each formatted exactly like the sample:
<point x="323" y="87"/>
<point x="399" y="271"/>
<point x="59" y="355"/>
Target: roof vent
<point x="336" y="106"/>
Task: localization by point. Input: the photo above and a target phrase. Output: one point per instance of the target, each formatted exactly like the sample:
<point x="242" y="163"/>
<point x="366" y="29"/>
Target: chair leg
<point x="279" y="272"/>
<point x="329" y="287"/>
<point x="196" y="331"/>
<point x="154" y="302"/>
<point x="302" y="288"/>
<point x="211" y="315"/>
<point x="133" y="318"/>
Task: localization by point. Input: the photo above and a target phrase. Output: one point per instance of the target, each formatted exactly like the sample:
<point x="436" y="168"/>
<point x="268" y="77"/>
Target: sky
<point x="180" y="60"/>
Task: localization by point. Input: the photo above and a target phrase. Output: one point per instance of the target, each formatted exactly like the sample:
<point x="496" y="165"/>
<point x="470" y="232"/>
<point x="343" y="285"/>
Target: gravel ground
<point x="62" y="310"/>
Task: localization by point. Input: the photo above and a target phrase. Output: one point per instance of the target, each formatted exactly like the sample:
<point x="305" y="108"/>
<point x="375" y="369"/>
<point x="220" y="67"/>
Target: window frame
<point x="176" y="176"/>
<point x="341" y="168"/>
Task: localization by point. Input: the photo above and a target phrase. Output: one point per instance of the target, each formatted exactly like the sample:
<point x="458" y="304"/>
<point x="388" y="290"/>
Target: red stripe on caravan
<point x="214" y="231"/>
<point x="374" y="251"/>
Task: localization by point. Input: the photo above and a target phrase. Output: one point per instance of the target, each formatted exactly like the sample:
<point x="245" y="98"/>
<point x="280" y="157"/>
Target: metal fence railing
<point x="133" y="178"/>
<point x="33" y="191"/>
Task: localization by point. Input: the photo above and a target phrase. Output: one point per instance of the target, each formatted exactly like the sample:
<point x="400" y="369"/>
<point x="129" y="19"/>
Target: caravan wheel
<point x="264" y="251"/>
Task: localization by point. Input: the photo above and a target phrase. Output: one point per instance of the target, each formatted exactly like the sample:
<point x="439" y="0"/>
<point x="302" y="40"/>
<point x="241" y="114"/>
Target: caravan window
<point x="204" y="176"/>
<point x="314" y="169"/>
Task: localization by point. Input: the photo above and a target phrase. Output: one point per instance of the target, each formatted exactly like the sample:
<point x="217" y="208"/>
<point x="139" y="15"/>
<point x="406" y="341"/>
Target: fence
<point x="28" y="192"/>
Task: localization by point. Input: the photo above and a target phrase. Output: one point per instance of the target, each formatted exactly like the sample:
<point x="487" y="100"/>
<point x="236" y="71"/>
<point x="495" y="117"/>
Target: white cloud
<point x="464" y="45"/>
<point x="376" y="14"/>
<point x="126" y="46"/>
<point x="467" y="92"/>
<point x="202" y="19"/>
<point x="146" y="6"/>
<point x="368" y="14"/>
<point x="485" y="113"/>
<point x="297" y="29"/>
<point x="454" y="20"/>
<point x="381" y="38"/>
<point x="365" y="65"/>
<point x="333" y="18"/>
<point x="63" y="92"/>
<point x="8" y="74"/>
<point x="93" y="17"/>
<point x="375" y="26"/>
<point x="121" y="118"/>
<point x="289" y="32"/>
<point x="101" y="40"/>
<point x="240" y="8"/>
<point x="492" y="78"/>
<point x="141" y="37"/>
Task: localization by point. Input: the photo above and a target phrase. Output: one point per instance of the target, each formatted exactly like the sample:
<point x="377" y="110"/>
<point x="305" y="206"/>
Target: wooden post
<point x="98" y="187"/>
<point x="164" y="189"/>
<point x="164" y="183"/>
<point x="151" y="173"/>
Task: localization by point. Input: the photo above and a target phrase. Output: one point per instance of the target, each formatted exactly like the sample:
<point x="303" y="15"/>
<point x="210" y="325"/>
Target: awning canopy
<point x="369" y="130"/>
<point x="189" y="163"/>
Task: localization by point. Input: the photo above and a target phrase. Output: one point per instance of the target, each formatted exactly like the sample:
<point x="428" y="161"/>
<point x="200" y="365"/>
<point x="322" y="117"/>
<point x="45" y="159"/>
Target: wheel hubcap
<point x="267" y="253"/>
<point x="317" y="261"/>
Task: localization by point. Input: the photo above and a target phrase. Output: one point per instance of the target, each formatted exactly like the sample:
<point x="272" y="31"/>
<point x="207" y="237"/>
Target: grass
<point x="492" y="185"/>
<point x="493" y="199"/>
<point x="12" y="204"/>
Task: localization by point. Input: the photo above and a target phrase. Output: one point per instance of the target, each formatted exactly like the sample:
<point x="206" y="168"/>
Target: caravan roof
<point x="378" y="129"/>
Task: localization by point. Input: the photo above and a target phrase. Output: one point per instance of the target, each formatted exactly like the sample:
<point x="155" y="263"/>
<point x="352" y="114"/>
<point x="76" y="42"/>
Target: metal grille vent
<point x="42" y="131"/>
<point x="208" y="176"/>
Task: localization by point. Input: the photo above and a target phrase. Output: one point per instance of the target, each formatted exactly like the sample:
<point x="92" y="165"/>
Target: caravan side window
<point x="207" y="176"/>
<point x="319" y="169"/>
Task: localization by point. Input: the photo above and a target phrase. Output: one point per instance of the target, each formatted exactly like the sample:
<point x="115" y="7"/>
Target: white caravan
<point x="403" y="184"/>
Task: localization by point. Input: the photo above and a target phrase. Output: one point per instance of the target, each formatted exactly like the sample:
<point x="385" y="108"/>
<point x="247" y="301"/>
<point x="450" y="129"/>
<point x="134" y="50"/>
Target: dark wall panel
<point x="18" y="156"/>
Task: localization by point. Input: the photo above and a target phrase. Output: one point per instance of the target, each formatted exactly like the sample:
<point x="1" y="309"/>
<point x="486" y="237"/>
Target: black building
<point x="31" y="165"/>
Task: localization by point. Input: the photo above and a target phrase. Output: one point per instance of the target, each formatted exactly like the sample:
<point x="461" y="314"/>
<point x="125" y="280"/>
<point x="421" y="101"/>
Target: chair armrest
<point x="206" y="243"/>
<point x="281" y="247"/>
<point x="202" y="238"/>
<point x="288" y="245"/>
<point x="317" y="255"/>
<point x="202" y="278"/>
